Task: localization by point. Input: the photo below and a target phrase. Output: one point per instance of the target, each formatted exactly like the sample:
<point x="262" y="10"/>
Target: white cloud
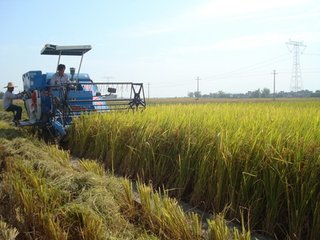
<point x="242" y="42"/>
<point x="225" y="8"/>
<point x="217" y="10"/>
<point x="307" y="37"/>
<point x="252" y="41"/>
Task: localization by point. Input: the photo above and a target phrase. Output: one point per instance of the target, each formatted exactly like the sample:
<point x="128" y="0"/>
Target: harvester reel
<point x="137" y="100"/>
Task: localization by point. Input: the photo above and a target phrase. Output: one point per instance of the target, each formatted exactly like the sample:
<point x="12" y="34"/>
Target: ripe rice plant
<point x="53" y="199"/>
<point x="7" y="232"/>
<point x="261" y="156"/>
<point x="163" y="216"/>
<point x="44" y="197"/>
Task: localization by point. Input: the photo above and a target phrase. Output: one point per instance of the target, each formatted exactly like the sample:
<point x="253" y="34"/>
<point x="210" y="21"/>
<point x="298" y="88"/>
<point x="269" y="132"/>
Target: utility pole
<point x="148" y="90"/>
<point x="296" y="78"/>
<point x="108" y="78"/>
<point x="198" y="79"/>
<point x="274" y="85"/>
<point x="197" y="93"/>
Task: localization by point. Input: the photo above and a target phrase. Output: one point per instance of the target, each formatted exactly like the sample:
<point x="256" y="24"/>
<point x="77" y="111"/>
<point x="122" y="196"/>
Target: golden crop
<point x="264" y="157"/>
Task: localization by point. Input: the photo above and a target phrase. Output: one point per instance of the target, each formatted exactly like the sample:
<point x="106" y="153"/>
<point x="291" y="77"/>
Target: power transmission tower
<point x="296" y="78"/>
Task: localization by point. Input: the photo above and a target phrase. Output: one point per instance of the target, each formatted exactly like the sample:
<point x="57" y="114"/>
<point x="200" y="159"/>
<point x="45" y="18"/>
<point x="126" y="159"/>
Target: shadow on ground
<point x="11" y="133"/>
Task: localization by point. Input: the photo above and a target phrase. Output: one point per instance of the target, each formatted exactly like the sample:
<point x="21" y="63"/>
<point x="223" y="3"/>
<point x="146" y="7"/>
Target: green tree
<point x="197" y="94"/>
<point x="221" y="94"/>
<point x="265" y="93"/>
<point x="255" y="94"/>
<point x="190" y="94"/>
<point x="316" y="94"/>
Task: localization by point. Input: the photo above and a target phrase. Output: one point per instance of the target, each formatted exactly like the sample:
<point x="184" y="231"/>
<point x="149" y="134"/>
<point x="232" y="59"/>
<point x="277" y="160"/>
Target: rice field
<point x="259" y="162"/>
<point x="45" y="195"/>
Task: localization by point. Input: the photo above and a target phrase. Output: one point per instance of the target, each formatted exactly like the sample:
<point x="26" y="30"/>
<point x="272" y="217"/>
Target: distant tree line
<point x="264" y="93"/>
<point x="259" y="93"/>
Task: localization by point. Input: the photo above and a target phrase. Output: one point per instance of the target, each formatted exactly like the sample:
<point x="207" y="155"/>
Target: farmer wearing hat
<point x="7" y="102"/>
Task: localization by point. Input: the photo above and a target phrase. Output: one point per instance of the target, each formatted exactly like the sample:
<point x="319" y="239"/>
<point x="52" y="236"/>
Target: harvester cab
<point x="52" y="109"/>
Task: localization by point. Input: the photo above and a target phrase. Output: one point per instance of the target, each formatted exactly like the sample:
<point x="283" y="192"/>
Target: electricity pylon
<point x="296" y="78"/>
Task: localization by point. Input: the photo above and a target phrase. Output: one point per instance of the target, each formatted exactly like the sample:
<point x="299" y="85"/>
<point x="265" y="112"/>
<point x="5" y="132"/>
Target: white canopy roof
<point x="79" y="50"/>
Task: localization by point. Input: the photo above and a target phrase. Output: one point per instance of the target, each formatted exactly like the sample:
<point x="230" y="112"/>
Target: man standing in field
<point x="9" y="106"/>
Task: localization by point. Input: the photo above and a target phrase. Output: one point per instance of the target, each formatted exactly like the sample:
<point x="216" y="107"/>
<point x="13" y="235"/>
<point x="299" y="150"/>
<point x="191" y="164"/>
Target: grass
<point x="263" y="156"/>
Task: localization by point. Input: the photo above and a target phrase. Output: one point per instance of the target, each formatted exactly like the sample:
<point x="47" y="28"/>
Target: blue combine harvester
<point x="51" y="109"/>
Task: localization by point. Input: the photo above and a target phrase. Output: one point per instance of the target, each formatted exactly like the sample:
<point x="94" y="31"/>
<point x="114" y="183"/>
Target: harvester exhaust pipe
<point x="72" y="72"/>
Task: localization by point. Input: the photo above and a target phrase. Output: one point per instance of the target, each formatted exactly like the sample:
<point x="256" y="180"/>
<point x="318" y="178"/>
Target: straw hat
<point x="10" y="85"/>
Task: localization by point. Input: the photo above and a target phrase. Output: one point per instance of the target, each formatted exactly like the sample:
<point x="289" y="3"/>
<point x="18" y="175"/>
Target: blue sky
<point x="232" y="45"/>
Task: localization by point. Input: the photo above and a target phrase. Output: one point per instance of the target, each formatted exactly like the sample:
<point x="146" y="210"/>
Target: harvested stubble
<point x="45" y="197"/>
<point x="261" y="156"/>
<point x="7" y="232"/>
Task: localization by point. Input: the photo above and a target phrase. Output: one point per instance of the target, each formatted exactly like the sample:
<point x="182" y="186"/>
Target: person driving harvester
<point x="59" y="78"/>
<point x="9" y="106"/>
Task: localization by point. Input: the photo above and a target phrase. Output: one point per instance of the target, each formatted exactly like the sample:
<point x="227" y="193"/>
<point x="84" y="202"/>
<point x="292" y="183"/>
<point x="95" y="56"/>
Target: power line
<point x="255" y="66"/>
<point x="243" y="72"/>
<point x="304" y="72"/>
<point x="311" y="54"/>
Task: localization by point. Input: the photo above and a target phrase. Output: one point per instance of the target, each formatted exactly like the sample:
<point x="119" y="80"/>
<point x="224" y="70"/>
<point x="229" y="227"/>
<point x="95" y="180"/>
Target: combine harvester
<point x="51" y="109"/>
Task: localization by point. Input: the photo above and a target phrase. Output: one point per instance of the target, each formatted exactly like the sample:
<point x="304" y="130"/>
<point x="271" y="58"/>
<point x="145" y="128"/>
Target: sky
<point x="231" y="45"/>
